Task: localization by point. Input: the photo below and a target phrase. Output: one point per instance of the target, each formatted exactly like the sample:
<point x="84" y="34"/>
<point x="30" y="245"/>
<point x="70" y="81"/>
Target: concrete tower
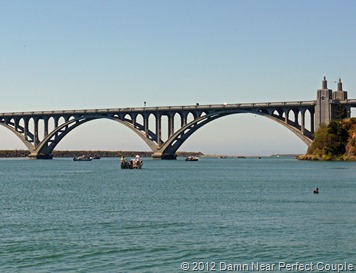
<point x="339" y="94"/>
<point x="339" y="111"/>
<point x="323" y="111"/>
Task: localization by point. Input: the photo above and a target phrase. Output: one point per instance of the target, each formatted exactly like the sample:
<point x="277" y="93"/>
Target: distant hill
<point x="337" y="141"/>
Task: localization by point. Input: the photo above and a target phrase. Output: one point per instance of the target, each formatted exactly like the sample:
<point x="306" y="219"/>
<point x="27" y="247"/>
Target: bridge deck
<point x="350" y="102"/>
<point x="168" y="108"/>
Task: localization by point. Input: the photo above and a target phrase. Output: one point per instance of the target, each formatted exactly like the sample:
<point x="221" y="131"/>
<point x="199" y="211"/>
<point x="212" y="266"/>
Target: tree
<point x="340" y="113"/>
<point x="330" y="141"/>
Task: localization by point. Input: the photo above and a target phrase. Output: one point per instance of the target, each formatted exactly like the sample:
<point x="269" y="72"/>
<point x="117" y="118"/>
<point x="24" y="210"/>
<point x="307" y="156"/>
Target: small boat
<point x="135" y="163"/>
<point x="191" y="158"/>
<point x="82" y="158"/>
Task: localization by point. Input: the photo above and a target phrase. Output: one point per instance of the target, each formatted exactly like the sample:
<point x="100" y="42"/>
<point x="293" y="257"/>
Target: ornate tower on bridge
<point x="328" y="105"/>
<point x="323" y="106"/>
<point x="339" y="94"/>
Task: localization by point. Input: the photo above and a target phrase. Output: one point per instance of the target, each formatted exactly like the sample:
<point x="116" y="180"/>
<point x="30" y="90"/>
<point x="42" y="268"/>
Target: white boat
<point x="192" y="158"/>
<point x="82" y="158"/>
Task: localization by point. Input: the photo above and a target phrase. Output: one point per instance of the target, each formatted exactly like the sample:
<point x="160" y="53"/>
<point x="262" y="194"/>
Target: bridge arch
<point x="23" y="128"/>
<point x="103" y="133"/>
<point x="244" y="134"/>
<point x="18" y="134"/>
<point x="174" y="143"/>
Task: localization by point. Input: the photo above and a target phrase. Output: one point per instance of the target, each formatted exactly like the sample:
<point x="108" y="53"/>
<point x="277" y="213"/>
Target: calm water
<point x="65" y="216"/>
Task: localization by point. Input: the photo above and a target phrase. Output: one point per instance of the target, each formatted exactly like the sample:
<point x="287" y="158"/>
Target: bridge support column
<point x="286" y="113"/>
<point x="39" y="156"/>
<point x="158" y="129"/>
<point x="145" y="124"/>
<point x="36" y="139"/>
<point x="26" y="128"/>
<point x="302" y="126"/>
<point x="46" y="127"/>
<point x="184" y="120"/>
<point x="16" y="125"/>
<point x="158" y="155"/>
<point x="170" y="125"/>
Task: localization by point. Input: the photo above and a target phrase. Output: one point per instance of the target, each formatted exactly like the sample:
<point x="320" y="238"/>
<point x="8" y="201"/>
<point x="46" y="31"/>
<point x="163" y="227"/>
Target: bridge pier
<point x="39" y="156"/>
<point x="164" y="156"/>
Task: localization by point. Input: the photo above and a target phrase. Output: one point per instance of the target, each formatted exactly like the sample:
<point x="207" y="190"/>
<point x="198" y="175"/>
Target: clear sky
<point x="77" y="54"/>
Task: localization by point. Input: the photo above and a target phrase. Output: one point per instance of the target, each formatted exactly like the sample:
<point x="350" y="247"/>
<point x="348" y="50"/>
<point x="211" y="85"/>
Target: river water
<point x="211" y="215"/>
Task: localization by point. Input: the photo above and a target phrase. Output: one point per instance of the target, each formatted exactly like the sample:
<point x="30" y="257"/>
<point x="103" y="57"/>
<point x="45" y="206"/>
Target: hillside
<point x="337" y="141"/>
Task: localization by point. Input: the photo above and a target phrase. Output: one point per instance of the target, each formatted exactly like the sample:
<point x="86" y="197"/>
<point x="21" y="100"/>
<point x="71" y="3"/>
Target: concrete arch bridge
<point x="41" y="131"/>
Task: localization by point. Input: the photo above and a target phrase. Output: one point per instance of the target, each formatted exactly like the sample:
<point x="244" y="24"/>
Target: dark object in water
<point x="316" y="190"/>
<point x="132" y="164"/>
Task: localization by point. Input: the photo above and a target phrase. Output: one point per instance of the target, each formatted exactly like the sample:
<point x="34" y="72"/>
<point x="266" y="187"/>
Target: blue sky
<point x="101" y="54"/>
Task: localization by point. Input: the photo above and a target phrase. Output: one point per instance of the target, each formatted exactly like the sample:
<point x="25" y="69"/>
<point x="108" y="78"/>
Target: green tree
<point x="330" y="141"/>
<point x="338" y="136"/>
<point x="341" y="113"/>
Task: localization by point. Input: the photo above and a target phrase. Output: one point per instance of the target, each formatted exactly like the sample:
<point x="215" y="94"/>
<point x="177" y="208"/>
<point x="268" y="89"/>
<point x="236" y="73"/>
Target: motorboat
<point x="83" y="158"/>
<point x="135" y="163"/>
<point x="192" y="158"/>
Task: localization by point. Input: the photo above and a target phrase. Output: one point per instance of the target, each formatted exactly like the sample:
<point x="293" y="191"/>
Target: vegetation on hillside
<point x="336" y="141"/>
